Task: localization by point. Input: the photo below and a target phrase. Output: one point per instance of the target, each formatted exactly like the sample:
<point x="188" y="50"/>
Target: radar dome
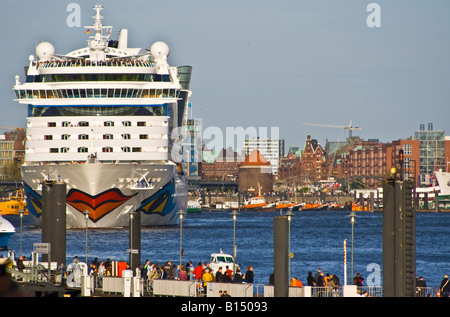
<point x="44" y="50"/>
<point x="159" y="50"/>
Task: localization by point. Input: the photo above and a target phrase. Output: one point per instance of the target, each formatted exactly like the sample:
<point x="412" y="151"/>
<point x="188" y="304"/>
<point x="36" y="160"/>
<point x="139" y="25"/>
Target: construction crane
<point x="350" y="127"/>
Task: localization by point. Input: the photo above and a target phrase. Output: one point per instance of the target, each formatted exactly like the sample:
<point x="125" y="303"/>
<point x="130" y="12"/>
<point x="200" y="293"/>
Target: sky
<point x="272" y="65"/>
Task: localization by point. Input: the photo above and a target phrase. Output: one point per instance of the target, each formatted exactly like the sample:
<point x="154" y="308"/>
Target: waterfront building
<point x="255" y="174"/>
<point x="192" y="150"/>
<point x="411" y="157"/>
<point x="12" y="150"/>
<point x="289" y="166"/>
<point x="272" y="149"/>
<point x="312" y="166"/>
<point x="432" y="153"/>
<point x="369" y="162"/>
<point x="224" y="166"/>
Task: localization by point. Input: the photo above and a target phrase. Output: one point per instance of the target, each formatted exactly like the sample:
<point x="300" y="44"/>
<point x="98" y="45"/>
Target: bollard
<point x="280" y="255"/>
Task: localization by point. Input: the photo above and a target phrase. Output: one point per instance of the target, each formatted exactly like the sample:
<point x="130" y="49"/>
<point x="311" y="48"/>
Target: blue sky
<point x="260" y="63"/>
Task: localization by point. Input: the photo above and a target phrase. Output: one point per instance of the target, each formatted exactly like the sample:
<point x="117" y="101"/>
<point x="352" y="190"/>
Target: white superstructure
<point x="100" y="118"/>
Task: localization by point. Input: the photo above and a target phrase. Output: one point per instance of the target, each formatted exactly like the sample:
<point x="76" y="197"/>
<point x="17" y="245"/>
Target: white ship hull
<point x="443" y="179"/>
<point x="109" y="193"/>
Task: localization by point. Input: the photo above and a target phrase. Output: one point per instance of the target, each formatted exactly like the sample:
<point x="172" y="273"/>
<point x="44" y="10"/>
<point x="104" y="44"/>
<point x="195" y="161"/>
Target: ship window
<point x="83" y="137"/>
<point x="107" y="149"/>
<point x="51" y="124"/>
<point x="137" y="149"/>
<point x="90" y="93"/>
<point x="108" y="123"/>
<point x="108" y="136"/>
<point x="54" y="150"/>
<point x="143" y="136"/>
<point x="64" y="149"/>
<point x="126" y="149"/>
<point x="66" y="123"/>
<point x="65" y="137"/>
<point x="82" y="149"/>
<point x="141" y="124"/>
<point x="83" y="124"/>
<point x="126" y="123"/>
<point x="126" y="136"/>
<point x="48" y="137"/>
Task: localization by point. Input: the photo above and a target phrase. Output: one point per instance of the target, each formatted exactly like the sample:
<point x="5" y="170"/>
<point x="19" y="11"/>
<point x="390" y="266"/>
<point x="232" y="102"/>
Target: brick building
<point x="313" y="163"/>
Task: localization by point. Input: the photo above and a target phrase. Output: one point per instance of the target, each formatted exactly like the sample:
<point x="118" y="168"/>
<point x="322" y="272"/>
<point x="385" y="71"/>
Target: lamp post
<point x="21" y="212"/>
<point x="131" y="213"/>
<point x="181" y="216"/>
<point x="234" y="214"/>
<point x="86" y="214"/>
<point x="289" y="214"/>
<point x="352" y="220"/>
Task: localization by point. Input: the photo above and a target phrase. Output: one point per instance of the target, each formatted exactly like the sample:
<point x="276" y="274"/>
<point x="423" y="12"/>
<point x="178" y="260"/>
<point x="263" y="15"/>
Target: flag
<point x="88" y="31"/>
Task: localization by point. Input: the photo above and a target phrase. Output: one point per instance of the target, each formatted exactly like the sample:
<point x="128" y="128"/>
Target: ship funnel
<point x="123" y="39"/>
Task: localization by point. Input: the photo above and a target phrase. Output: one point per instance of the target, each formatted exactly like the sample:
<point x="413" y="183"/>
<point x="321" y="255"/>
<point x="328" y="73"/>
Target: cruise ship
<point x="106" y="120"/>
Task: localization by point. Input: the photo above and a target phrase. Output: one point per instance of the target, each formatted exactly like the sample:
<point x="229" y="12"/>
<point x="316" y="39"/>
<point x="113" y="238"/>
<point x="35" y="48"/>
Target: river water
<point x="317" y="239"/>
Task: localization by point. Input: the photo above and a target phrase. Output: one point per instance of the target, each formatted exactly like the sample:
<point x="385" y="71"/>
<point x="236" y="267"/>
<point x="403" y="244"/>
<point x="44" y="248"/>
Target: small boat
<point x="223" y="260"/>
<point x="6" y="231"/>
<point x="256" y="202"/>
<point x="312" y="206"/>
<point x="13" y="204"/>
<point x="284" y="205"/>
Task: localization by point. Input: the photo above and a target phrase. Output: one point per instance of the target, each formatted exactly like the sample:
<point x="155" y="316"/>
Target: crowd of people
<point x="151" y="271"/>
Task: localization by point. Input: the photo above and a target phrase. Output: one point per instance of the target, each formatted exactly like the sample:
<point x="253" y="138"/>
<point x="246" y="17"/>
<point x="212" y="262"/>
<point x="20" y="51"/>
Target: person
<point x="249" y="275"/>
<point x="20" y="265"/>
<point x="182" y="274"/>
<point x="320" y="281"/>
<point x="145" y="269"/>
<point x="189" y="268"/>
<point x="444" y="289"/>
<point x="229" y="272"/>
<point x="207" y="277"/>
<point x="198" y="272"/>
<point x="421" y="287"/>
<point x="219" y="275"/>
<point x="295" y="282"/>
<point x="310" y="281"/>
<point x="152" y="275"/>
<point x="225" y="294"/>
<point x="169" y="270"/>
<point x="237" y="276"/>
<point x="317" y="275"/>
<point x="335" y="280"/>
<point x="329" y="281"/>
<point x="358" y="279"/>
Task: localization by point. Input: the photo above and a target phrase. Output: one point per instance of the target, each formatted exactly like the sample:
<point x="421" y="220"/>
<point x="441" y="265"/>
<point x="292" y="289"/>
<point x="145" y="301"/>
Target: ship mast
<point x="99" y="41"/>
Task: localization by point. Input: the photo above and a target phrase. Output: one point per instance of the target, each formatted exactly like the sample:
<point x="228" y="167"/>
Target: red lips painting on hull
<point x="98" y="205"/>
